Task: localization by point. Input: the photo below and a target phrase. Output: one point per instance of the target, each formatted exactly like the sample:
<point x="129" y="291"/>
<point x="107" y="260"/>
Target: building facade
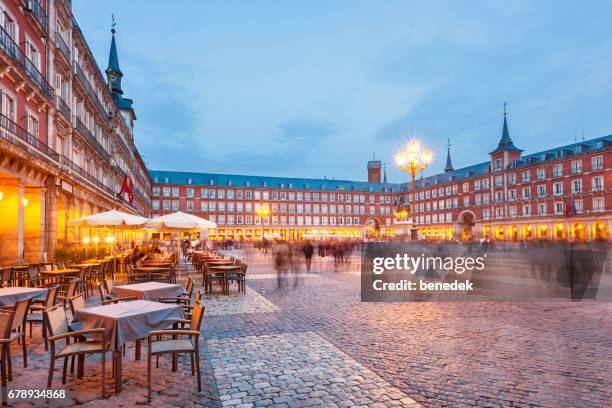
<point x="66" y="131"/>
<point x="563" y="193"/>
<point x="299" y="208"/>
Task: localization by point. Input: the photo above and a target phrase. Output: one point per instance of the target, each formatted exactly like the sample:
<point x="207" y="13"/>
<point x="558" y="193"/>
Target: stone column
<point x="20" y="218"/>
<point x="51" y="219"/>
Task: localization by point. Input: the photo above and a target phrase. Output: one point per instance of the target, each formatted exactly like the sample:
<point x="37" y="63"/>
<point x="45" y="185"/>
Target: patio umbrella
<point x="111" y="219"/>
<point x="179" y="222"/>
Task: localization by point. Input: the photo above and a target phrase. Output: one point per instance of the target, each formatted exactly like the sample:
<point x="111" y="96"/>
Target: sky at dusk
<point x="314" y="88"/>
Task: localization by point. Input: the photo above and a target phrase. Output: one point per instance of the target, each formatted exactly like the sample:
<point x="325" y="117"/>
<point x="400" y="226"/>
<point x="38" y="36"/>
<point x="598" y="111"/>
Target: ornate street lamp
<point x="262" y="211"/>
<point x="413" y="160"/>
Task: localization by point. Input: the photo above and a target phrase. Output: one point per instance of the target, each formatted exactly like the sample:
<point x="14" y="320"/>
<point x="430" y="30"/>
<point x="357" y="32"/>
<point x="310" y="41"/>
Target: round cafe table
<point x="61" y="272"/>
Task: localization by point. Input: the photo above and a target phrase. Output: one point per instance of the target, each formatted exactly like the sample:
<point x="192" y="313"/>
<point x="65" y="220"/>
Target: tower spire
<point x="385" y="173"/>
<point x="449" y="164"/>
<point x="506" y="143"/>
<point x="113" y="72"/>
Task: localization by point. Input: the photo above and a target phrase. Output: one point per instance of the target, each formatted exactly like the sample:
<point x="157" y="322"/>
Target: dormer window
<point x="248" y="184"/>
<point x="211" y="182"/>
<point x="229" y="183"/>
<point x="188" y="181"/>
<point x="167" y="180"/>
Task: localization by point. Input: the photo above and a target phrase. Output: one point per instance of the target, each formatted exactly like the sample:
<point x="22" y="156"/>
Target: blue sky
<point x="314" y="88"/>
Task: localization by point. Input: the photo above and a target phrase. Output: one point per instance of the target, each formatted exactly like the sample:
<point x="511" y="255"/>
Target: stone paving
<point x="296" y="370"/>
<point x="318" y="335"/>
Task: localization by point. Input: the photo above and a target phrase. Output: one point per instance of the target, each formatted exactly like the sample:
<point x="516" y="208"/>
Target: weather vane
<point x="113" y="23"/>
<point x="505" y="108"/>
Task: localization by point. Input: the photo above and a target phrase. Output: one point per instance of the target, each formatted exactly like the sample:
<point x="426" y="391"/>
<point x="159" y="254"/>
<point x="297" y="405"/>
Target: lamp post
<point x="262" y="211"/>
<point x="413" y="160"/>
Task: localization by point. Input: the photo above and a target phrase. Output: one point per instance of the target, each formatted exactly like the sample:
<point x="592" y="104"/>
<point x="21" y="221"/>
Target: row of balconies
<point x="89" y="89"/>
<point x="82" y="129"/>
<point x="16" y="54"/>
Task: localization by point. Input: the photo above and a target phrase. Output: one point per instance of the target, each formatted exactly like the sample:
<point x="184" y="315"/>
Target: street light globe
<point x="86" y="240"/>
<point x="427" y="156"/>
<point x="413" y="146"/>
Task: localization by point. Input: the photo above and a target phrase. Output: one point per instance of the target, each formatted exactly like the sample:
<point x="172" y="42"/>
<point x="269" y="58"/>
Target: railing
<point x="17" y="135"/>
<point x="124" y="146"/>
<point x="63" y="106"/>
<point x="82" y="129"/>
<point x="16" y="54"/>
<point x="61" y="44"/>
<point x="94" y="96"/>
<point x="84" y="174"/>
<point x="34" y="7"/>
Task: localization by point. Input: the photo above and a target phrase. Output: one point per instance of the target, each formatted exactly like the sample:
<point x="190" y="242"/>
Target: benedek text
<point x="430" y="286"/>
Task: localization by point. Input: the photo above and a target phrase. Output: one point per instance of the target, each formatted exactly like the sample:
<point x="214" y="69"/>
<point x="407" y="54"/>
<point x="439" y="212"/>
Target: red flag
<point x="126" y="187"/>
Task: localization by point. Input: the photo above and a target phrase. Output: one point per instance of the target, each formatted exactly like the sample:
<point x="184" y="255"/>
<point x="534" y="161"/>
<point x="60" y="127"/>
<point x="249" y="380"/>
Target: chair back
<point x="51" y="296"/>
<point x="108" y="282"/>
<point x="77" y="302"/>
<point x="83" y="274"/>
<point x="21" y="313"/>
<point x="196" y="316"/>
<point x="103" y="293"/>
<point x="7" y="277"/>
<point x="198" y="296"/>
<point x="33" y="273"/>
<point x="57" y="321"/>
<point x="72" y="287"/>
<point x="6" y="323"/>
<point x="243" y="268"/>
<point x="189" y="285"/>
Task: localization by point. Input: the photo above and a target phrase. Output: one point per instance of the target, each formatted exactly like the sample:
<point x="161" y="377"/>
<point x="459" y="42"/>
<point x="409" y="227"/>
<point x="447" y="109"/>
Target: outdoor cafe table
<point x="149" y="290"/>
<point x="128" y="321"/>
<point x="157" y="263"/>
<point x="61" y="272"/>
<point x="220" y="262"/>
<point x="151" y="270"/>
<point x="87" y="264"/>
<point x="12" y="295"/>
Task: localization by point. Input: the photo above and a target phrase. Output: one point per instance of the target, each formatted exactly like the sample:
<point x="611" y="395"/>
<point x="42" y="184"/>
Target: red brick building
<point x="561" y="193"/>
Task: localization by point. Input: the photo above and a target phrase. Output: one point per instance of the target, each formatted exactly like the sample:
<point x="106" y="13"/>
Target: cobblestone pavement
<point x="313" y="342"/>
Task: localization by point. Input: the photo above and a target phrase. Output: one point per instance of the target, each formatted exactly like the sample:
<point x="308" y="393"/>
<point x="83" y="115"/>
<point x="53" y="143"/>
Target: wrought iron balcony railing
<point x="11" y="48"/>
<point x="34" y="7"/>
<point x="82" y="129"/>
<point x="63" y="107"/>
<point x="94" y="96"/>
<point x="63" y="47"/>
<point x="84" y="174"/>
<point x="20" y="137"/>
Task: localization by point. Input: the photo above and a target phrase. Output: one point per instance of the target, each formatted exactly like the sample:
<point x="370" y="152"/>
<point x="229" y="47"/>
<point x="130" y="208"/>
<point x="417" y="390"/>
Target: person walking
<point x="308" y="250"/>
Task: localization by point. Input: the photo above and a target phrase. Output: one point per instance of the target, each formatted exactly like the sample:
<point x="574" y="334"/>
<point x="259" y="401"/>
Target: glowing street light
<point x="262" y="211"/>
<point x="413" y="160"/>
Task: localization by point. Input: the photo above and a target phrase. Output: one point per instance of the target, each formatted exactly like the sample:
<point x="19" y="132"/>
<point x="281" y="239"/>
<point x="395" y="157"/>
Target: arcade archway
<point x="466" y="225"/>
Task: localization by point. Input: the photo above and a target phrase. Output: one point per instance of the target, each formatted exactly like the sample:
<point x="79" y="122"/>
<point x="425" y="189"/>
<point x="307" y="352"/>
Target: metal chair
<point x="35" y="317"/>
<point x="20" y="310"/>
<point x="6" y="324"/>
<point x="59" y="329"/>
<point x="107" y="299"/>
<point x="159" y="344"/>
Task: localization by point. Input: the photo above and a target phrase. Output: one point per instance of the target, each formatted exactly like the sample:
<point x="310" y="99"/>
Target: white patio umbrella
<point x="111" y="219"/>
<point x="180" y="222"/>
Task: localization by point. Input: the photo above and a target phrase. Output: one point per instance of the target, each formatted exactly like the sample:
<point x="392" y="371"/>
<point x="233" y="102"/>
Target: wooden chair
<point x="159" y="344"/>
<point x="20" y="310"/>
<point x="6" y="324"/>
<point x="65" y="293"/>
<point x="239" y="277"/>
<point x="108" y="285"/>
<point x="6" y="279"/>
<point x="36" y="312"/>
<point x="83" y="281"/>
<point x="59" y="329"/>
<point x="95" y="276"/>
<point x="185" y="297"/>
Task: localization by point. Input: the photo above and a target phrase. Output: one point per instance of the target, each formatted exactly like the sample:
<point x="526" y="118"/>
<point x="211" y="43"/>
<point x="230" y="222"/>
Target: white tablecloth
<point x="129" y="321"/>
<point x="148" y="290"/>
<point x="10" y="296"/>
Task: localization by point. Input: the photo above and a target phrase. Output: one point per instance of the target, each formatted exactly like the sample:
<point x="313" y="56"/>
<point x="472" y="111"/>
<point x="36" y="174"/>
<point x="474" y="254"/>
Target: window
<point x="175" y="205"/>
<point x="485" y="214"/>
<point x="512" y="195"/>
<point x="526" y="193"/>
<point x="155" y="204"/>
<point x="541" y="208"/>
<point x="190" y="206"/>
<point x="167" y="191"/>
<point x="558" y="189"/>
<point x="204" y="206"/>
<point x="498" y="196"/>
<point x="498" y="164"/>
<point x="557" y="170"/>
<point x="576" y="166"/>
<point x="511" y="178"/>
<point x="166" y="205"/>
<point x="597" y="163"/>
<point x="466" y="187"/>
<point x="221" y="194"/>
<point x="542" y="190"/>
<point x="477" y="185"/>
<point x="498" y="181"/>
<point x="598" y="204"/>
<point x="526" y="210"/>
<point x="155" y="191"/>
<point x="597" y="183"/>
<point x="541" y="173"/>
<point x="576" y="186"/>
<point x="230" y="194"/>
<point x="526" y="176"/>
<point x="558" y="207"/>
<point x="8" y="106"/>
<point x="190" y="192"/>
<point x="175" y="191"/>
<point x="579" y="206"/>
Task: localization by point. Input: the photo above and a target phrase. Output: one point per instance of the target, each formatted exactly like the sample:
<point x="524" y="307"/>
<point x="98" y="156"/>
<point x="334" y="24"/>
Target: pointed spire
<point x="113" y="72"/>
<point x="385" y="173"/>
<point x="506" y="142"/>
<point x="449" y="164"/>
